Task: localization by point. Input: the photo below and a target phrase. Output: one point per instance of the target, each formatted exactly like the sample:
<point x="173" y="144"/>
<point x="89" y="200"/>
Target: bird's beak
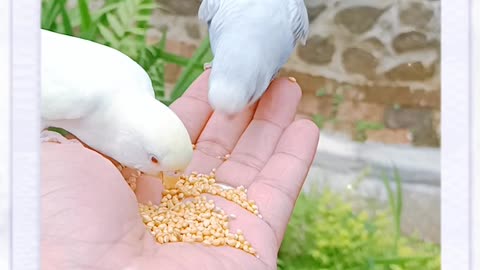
<point x="170" y="178"/>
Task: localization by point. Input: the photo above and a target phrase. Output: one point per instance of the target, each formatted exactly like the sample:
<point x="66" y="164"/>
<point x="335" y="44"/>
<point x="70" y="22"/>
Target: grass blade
<point x="399" y="206"/>
<point x="160" y="92"/>
<point x="186" y="76"/>
<point x="104" y="10"/>
<point x="67" y="25"/>
<point x="115" y="25"/>
<point x="51" y="15"/>
<point x="393" y="208"/>
<point x="86" y="18"/>
<point x="137" y="31"/>
<point x="109" y="36"/>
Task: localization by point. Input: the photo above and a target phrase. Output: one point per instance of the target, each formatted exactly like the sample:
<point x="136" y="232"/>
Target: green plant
<point x="123" y="25"/>
<point x="321" y="92"/>
<point x="319" y="120"/>
<point x="361" y="128"/>
<point x="337" y="100"/>
<point x="326" y="233"/>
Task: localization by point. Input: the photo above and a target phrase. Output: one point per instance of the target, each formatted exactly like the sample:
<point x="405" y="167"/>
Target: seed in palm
<point x="186" y="215"/>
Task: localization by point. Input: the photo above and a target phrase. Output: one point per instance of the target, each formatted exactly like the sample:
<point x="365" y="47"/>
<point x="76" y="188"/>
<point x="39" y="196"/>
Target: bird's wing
<point x="79" y="75"/>
<point x="298" y="20"/>
<point x="64" y="101"/>
<point x="207" y="9"/>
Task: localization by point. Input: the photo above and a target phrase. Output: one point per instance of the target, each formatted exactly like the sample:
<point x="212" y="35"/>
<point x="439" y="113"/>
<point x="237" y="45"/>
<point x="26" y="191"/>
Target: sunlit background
<point x="370" y="75"/>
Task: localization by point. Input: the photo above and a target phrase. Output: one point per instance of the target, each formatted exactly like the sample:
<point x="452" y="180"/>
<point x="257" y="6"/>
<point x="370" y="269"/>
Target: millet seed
<point x="197" y="220"/>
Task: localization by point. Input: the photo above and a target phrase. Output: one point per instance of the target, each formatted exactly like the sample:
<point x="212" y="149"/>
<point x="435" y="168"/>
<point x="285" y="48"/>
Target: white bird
<point x="250" y="40"/>
<point x="106" y="100"/>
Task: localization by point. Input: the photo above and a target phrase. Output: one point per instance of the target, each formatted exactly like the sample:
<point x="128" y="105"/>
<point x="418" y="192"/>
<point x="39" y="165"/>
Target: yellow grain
<point x="185" y="215"/>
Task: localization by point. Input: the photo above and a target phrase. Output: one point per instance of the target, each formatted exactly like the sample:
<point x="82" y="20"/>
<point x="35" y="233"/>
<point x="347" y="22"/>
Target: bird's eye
<point x="154" y="159"/>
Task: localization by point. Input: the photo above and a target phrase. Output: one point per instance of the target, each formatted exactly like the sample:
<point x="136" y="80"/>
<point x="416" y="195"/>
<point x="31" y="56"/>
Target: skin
<point x="90" y="216"/>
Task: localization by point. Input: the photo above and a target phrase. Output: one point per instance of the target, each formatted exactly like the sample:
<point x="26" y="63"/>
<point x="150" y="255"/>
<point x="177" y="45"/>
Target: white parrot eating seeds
<point x="250" y="40"/>
<point x="106" y="100"/>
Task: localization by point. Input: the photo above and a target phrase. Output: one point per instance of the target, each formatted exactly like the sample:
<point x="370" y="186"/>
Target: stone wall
<point x="370" y="68"/>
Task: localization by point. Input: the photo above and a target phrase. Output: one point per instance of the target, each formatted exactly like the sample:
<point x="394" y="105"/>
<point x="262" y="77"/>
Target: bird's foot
<point x="130" y="175"/>
<point x="54" y="137"/>
<point x="207" y="66"/>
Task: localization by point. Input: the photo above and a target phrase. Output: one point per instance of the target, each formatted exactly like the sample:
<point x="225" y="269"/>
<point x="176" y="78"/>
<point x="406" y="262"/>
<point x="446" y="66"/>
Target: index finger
<point x="193" y="107"/>
<point x="194" y="111"/>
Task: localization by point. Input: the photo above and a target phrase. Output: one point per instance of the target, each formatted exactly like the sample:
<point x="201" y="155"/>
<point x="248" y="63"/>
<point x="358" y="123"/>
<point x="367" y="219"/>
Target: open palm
<point x="90" y="216"/>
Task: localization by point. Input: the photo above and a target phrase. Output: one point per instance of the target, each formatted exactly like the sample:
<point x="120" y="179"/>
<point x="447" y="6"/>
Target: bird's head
<point x="153" y="140"/>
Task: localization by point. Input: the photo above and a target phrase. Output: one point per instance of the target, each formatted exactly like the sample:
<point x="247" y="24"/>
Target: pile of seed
<point x="185" y="215"/>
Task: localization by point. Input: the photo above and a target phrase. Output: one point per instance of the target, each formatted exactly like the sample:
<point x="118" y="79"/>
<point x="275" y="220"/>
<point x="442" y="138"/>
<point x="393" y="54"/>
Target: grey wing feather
<point x="299" y="20"/>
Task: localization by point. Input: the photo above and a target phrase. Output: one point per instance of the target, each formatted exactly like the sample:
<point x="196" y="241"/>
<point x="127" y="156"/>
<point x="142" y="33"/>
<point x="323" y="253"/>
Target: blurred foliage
<point x="319" y="120"/>
<point x="361" y="128"/>
<point x="123" y="25"/>
<point x="326" y="233"/>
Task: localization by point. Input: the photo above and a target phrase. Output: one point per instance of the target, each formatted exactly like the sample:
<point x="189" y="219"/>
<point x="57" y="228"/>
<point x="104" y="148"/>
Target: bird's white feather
<point x="107" y="100"/>
<point x="71" y="93"/>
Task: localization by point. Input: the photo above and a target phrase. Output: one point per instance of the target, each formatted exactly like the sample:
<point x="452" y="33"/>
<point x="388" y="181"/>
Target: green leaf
<point x="142" y="18"/>
<point x="130" y="6"/>
<point x="105" y="9"/>
<point x="62" y="132"/>
<point x="148" y="6"/>
<point x="115" y="25"/>
<point x="321" y="92"/>
<point x="109" y="36"/>
<point x="50" y="14"/>
<point x="86" y="19"/>
<point x="137" y="31"/>
<point x="188" y="74"/>
<point x="67" y="25"/>
<point x="124" y="16"/>
<point x="319" y="120"/>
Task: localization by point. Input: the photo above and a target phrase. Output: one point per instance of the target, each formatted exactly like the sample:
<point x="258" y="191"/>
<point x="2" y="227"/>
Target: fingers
<point x="194" y="111"/>
<point x="275" y="111"/>
<point x="277" y="186"/>
<point x="193" y="107"/>
<point x="149" y="189"/>
<point x="218" y="138"/>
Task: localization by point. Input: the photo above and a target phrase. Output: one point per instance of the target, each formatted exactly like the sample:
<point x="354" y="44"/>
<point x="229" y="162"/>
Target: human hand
<point x="90" y="217"/>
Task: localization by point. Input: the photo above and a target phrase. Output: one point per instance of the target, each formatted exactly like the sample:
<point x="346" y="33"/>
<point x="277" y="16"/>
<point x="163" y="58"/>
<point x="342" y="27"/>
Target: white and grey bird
<point x="106" y="100"/>
<point x="250" y="40"/>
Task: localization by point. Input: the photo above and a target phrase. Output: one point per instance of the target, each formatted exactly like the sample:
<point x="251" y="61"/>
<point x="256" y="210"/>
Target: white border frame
<point x="5" y="50"/>
<point x="458" y="98"/>
<point x="456" y="136"/>
<point x="25" y="130"/>
<point x="475" y="77"/>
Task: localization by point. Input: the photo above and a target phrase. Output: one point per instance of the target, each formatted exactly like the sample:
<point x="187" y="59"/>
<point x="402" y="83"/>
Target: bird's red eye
<point x="154" y="160"/>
